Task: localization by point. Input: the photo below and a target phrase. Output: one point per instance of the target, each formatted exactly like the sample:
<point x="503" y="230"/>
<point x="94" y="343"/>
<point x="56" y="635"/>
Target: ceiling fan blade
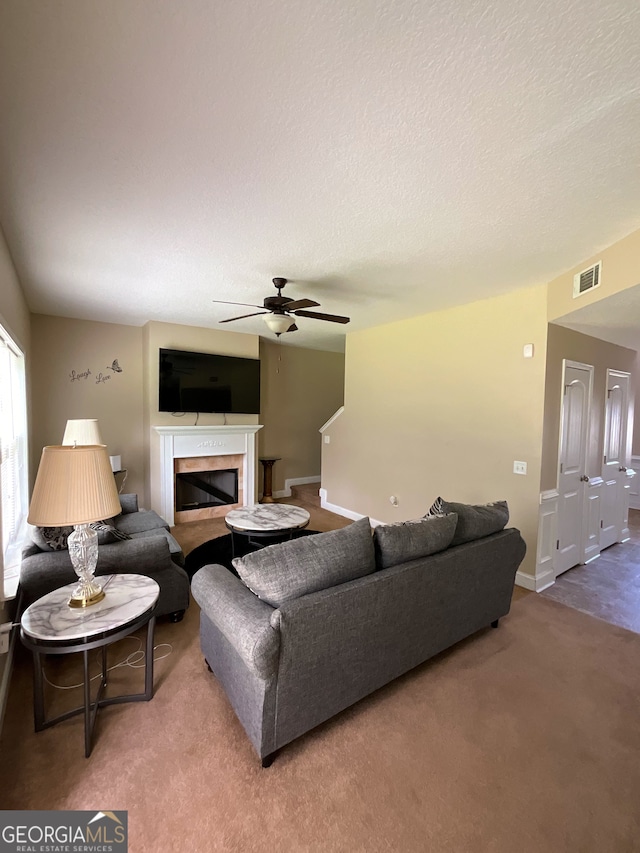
<point x="293" y="328"/>
<point x="248" y="304"/>
<point x="300" y="303"/>
<point x="333" y="318"/>
<point x="244" y="316"/>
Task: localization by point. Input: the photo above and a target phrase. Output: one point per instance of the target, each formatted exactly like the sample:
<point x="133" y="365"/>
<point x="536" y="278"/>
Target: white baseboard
<point x="536" y="584"/>
<point x="346" y="513"/>
<point x="295" y="481"/>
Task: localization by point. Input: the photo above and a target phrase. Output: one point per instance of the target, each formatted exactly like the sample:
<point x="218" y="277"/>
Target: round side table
<point x="260" y="522"/>
<point x="50" y="627"/>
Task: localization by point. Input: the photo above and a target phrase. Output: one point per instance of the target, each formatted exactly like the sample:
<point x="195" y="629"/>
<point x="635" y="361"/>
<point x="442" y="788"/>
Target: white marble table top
<point x="126" y="598"/>
<point x="267" y="517"/>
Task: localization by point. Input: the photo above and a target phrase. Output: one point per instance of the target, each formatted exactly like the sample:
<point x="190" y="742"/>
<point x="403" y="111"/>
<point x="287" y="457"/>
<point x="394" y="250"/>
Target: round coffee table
<point x="50" y="627"/>
<point x="265" y="521"/>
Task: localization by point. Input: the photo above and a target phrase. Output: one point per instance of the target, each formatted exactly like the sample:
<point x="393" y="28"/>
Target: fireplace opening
<point x="201" y="489"/>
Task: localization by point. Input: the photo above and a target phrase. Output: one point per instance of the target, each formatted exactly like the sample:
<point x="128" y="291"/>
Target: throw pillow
<point x="474" y="520"/>
<point x="280" y="573"/>
<point x="410" y="540"/>
<point x="50" y="538"/>
<point x="108" y="533"/>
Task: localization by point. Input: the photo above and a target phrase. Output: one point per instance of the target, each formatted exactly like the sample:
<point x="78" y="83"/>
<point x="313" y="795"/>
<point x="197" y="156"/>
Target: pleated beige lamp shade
<point x="74" y="485"/>
<point x="84" y="431"/>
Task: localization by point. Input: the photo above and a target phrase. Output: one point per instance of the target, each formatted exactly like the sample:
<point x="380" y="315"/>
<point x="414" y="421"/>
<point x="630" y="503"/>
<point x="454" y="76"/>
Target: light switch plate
<point x="519" y="467"/>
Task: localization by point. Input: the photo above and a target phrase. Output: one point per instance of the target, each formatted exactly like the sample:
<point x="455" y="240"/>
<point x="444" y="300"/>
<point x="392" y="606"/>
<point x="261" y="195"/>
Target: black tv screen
<point x="202" y="382"/>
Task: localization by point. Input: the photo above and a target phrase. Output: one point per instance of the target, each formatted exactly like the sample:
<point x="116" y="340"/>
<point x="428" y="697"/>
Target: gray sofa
<point x="151" y="550"/>
<point x="332" y="625"/>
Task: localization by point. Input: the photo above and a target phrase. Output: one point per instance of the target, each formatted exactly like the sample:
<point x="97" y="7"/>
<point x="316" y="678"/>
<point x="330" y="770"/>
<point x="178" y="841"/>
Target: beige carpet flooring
<point x="520" y="739"/>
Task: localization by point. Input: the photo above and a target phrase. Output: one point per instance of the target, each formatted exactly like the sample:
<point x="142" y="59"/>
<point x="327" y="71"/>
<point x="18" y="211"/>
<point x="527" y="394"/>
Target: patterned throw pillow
<point x="108" y="533"/>
<point x="50" y="538"/>
<point x="474" y="520"/>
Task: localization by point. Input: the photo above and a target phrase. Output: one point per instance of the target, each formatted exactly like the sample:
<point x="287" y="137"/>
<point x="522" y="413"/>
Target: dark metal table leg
<point x="148" y="669"/>
<point x="87" y="705"/>
<point x="38" y="692"/>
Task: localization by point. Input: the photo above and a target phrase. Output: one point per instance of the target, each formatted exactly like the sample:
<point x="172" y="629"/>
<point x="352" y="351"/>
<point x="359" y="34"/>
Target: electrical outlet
<point x="519" y="467"/>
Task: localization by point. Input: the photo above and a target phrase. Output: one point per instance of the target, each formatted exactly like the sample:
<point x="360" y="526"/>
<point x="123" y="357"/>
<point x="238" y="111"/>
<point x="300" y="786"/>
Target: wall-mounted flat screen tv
<point x="202" y="382"/>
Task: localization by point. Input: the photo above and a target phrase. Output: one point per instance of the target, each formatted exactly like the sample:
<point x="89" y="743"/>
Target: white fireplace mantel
<point x="180" y="442"/>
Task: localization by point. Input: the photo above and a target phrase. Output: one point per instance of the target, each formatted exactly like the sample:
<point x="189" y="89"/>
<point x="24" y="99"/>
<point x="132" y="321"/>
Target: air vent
<point x="587" y="279"/>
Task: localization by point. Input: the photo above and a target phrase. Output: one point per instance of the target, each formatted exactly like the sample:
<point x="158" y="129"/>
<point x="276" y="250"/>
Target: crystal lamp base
<point x="83" y="551"/>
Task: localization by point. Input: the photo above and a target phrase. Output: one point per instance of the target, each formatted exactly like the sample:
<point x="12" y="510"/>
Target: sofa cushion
<point x="410" y="540"/>
<point x="136" y="522"/>
<point x="291" y="569"/>
<point x="50" y="538"/>
<point x="474" y="520"/>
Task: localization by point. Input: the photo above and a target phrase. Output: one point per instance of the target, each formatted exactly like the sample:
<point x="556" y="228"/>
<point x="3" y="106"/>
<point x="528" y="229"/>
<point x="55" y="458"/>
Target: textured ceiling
<point x="389" y="158"/>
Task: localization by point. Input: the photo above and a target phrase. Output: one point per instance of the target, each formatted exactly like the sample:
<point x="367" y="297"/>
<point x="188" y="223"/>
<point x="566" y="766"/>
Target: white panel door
<point x="614" y="467"/>
<point x="576" y="402"/>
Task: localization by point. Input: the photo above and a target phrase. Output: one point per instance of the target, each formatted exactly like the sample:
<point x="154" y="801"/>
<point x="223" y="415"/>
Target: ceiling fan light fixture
<point x="279" y="323"/>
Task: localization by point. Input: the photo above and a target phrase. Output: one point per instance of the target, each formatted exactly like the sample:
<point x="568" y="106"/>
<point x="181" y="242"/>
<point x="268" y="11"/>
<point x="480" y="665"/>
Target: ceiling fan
<point x="278" y="311"/>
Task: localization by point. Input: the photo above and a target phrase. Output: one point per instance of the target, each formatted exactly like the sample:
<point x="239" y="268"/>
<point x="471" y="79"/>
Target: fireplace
<point x="206" y="489"/>
<point x="207" y="486"/>
<point x="194" y="450"/>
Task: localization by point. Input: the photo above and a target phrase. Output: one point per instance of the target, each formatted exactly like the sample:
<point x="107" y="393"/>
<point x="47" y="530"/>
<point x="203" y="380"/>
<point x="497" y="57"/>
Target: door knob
<point x="584" y="479"/>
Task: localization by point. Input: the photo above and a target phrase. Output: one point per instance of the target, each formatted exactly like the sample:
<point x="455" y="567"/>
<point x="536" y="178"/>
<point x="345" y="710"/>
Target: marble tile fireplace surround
<point x="206" y="448"/>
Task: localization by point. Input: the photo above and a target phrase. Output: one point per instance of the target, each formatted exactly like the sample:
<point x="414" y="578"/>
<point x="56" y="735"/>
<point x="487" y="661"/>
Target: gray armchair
<point x="150" y="551"/>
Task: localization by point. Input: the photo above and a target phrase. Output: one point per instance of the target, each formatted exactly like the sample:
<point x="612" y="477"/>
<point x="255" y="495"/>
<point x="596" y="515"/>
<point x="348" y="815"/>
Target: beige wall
<point x="620" y="270"/>
<point x="14" y="312"/>
<point x="567" y="344"/>
<point x="301" y="390"/>
<point x="296" y="400"/>
<point x="71" y="378"/>
<point x="442" y="405"/>
<point x="635" y="441"/>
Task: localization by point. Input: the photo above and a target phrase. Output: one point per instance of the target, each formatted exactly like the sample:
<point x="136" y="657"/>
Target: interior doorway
<point x="577" y="393"/>
<point x="615" y="501"/>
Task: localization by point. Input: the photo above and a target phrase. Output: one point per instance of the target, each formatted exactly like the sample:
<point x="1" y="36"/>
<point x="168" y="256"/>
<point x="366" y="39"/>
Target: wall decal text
<point x="101" y="378"/>
<point x="75" y="377"/>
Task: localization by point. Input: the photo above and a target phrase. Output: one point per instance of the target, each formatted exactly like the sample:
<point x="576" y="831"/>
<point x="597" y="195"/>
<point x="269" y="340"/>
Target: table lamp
<point x="83" y="431"/>
<point x="75" y="485"/>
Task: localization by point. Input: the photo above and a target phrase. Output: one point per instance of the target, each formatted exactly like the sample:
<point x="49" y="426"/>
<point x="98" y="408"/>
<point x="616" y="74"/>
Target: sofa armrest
<point x="128" y="502"/>
<point x="240" y="616"/>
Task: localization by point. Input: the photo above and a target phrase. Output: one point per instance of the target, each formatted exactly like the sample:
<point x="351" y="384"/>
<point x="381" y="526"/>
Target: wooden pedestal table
<point x="267" y="464"/>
